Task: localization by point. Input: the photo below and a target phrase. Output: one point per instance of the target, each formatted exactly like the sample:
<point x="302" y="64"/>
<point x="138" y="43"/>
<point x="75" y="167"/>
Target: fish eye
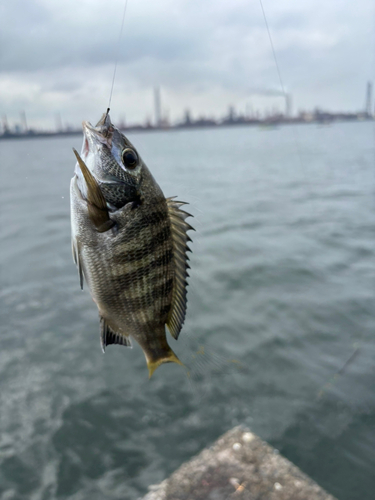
<point x="130" y="158"/>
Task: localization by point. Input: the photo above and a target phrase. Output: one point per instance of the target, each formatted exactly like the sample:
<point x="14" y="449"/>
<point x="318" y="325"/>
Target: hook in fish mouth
<point x="105" y="120"/>
<point x="102" y="133"/>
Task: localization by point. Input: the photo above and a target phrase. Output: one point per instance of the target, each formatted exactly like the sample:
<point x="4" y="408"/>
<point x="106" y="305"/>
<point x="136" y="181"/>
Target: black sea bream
<point x="129" y="243"/>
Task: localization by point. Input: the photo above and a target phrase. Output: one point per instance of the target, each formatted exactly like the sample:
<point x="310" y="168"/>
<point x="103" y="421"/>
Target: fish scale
<point x="129" y="243"/>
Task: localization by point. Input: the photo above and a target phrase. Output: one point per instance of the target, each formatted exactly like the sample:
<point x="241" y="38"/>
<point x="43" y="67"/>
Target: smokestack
<point x="59" y="126"/>
<point x="24" y="121"/>
<point x="157" y="107"/>
<point x="368" y="109"/>
<point x="288" y="105"/>
<point x="5" y="124"/>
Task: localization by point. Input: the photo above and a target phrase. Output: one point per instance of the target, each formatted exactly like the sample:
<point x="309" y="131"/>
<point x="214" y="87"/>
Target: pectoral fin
<point x="77" y="260"/>
<point x="96" y="204"/>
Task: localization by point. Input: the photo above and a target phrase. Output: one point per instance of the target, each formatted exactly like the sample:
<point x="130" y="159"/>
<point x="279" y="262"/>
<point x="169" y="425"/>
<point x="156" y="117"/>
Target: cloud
<point x="60" y="55"/>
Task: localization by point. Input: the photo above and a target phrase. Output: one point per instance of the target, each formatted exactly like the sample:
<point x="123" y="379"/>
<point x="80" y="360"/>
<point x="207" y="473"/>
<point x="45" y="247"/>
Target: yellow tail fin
<point x="167" y="357"/>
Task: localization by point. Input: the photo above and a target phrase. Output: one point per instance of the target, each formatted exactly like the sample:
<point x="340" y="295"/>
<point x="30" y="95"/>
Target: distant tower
<point x="122" y="122"/>
<point x="5" y="124"/>
<point x="157" y="106"/>
<point x="24" y="121"/>
<point x="368" y="109"/>
<point x="187" y="117"/>
<point x="59" y="126"/>
<point x="231" y="114"/>
<point x="288" y="105"/>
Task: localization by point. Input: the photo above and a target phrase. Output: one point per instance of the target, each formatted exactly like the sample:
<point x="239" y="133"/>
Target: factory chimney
<point x="5" y="124"/>
<point x="24" y="121"/>
<point x="368" y="109"/>
<point x="157" y="107"/>
<point x="288" y="105"/>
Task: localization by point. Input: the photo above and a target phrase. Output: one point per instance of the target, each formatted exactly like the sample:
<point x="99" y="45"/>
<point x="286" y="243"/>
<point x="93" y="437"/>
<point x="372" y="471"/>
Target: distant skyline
<point x="58" y="57"/>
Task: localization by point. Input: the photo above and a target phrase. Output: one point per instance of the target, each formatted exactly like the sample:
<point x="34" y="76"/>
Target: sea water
<point x="279" y="334"/>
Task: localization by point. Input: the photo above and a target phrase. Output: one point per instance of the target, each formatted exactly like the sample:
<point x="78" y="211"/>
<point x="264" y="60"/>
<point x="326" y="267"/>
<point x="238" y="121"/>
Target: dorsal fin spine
<point x="179" y="227"/>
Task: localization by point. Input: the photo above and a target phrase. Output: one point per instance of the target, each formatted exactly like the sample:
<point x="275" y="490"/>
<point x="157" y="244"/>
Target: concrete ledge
<point x="238" y="465"/>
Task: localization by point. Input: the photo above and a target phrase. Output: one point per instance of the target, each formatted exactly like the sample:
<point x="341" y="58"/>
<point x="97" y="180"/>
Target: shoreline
<point x="266" y="124"/>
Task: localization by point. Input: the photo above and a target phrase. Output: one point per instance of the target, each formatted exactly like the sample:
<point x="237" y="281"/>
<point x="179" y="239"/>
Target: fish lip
<point x="88" y="140"/>
<point x="90" y="143"/>
<point x="95" y="136"/>
<point x="89" y="131"/>
<point x="105" y="120"/>
<point x="103" y="127"/>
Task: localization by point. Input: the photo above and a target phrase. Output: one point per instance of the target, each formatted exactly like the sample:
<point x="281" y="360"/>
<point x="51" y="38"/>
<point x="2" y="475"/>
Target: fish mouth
<point x="95" y="136"/>
<point x="105" y="120"/>
<point x="85" y="146"/>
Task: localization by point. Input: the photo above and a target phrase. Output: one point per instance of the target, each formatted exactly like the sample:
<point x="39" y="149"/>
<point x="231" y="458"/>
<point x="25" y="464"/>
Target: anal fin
<point x="108" y="336"/>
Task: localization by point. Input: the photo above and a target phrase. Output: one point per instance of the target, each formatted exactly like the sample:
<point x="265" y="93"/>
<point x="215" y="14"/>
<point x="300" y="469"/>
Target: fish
<point x="129" y="244"/>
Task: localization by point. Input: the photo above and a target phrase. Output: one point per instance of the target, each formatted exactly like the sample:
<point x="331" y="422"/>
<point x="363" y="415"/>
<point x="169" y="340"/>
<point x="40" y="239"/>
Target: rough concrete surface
<point x="239" y="465"/>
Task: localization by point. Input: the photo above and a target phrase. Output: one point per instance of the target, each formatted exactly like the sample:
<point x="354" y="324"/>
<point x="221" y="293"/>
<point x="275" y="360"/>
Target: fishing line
<point x="273" y="48"/>
<point x="342" y="370"/>
<point x="117" y="55"/>
<point x="295" y="132"/>
<point x="328" y="385"/>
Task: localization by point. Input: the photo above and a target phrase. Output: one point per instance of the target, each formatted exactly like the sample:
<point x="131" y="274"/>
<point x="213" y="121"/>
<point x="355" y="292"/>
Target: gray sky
<point x="58" y="56"/>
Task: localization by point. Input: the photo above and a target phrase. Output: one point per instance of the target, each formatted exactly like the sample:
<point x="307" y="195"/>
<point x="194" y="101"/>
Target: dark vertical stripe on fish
<point x="130" y="279"/>
<point x="131" y="254"/>
<point x="144" y="301"/>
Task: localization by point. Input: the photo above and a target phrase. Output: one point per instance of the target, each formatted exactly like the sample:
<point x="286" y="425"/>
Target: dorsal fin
<point x="108" y="336"/>
<point x="179" y="227"/>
